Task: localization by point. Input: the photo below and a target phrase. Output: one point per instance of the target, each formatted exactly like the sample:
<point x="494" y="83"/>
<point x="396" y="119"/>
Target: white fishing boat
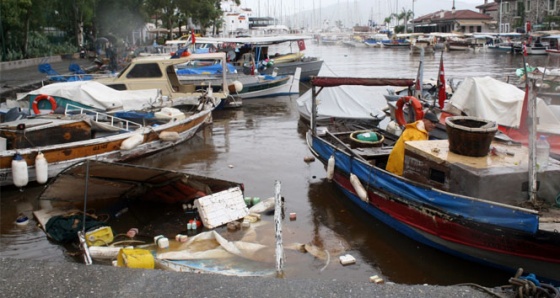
<point x="252" y="55"/>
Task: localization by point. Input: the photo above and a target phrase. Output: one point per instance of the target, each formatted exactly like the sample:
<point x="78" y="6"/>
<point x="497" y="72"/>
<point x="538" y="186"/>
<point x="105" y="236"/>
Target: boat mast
<point x="532" y="112"/>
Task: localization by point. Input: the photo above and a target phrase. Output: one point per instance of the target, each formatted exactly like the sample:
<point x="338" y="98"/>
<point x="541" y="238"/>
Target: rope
<point x="529" y="286"/>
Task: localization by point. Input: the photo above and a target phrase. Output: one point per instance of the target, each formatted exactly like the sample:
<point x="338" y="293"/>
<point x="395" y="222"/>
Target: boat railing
<point x="104" y="118"/>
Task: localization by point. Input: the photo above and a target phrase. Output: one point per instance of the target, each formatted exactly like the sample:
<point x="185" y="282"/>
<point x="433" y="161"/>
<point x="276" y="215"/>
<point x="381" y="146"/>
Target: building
<point x="460" y="21"/>
<point x="235" y="19"/>
<point x="516" y="15"/>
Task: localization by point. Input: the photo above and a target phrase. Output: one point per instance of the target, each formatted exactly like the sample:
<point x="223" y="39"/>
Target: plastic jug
<point x="543" y="151"/>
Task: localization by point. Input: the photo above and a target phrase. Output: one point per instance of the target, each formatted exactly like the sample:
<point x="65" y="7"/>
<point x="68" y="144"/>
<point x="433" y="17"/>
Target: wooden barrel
<point x="470" y="136"/>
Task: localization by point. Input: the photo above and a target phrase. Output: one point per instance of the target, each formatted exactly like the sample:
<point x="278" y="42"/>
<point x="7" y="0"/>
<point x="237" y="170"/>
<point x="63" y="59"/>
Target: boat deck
<point x="501" y="176"/>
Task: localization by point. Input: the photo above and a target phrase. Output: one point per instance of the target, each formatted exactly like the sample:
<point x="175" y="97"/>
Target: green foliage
<point x="399" y="29"/>
<point x="23" y="22"/>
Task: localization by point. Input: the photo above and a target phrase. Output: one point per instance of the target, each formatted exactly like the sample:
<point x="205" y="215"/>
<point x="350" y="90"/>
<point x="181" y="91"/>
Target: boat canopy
<point x="497" y="100"/>
<point x="346" y="102"/>
<point x="97" y="95"/>
<point x="259" y="40"/>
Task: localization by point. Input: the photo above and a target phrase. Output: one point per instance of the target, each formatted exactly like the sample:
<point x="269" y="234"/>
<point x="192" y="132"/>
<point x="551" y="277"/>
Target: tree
<point x="406" y="15"/>
<point x="119" y="18"/>
<point x="204" y="13"/>
<point x="16" y="18"/>
<point x="388" y="19"/>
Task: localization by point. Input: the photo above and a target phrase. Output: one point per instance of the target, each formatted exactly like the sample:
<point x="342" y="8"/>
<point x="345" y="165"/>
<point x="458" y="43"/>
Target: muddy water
<point x="263" y="142"/>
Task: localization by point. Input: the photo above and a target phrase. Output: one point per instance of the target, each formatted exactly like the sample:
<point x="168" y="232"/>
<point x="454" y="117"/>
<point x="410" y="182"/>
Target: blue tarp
<point x="211" y="69"/>
<point x="459" y="206"/>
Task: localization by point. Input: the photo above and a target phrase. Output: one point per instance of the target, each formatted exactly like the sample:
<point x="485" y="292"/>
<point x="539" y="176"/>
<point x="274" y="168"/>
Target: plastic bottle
<point x="543" y="150"/>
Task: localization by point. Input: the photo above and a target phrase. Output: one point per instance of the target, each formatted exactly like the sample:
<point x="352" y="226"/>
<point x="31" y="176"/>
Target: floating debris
<point x="347" y="260"/>
<point x="309" y="159"/>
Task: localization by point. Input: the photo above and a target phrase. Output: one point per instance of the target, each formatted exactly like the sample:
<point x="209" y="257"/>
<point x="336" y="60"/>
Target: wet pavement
<point x="27" y="278"/>
<point x="29" y="78"/>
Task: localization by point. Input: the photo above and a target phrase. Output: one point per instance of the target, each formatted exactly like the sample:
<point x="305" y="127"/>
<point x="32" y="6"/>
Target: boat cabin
<point x="161" y="73"/>
<point x="501" y="176"/>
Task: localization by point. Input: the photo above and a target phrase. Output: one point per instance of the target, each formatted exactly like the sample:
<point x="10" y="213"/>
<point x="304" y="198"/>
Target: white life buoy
<point x="169" y="136"/>
<point x="132" y="142"/>
<point x="358" y="187"/>
<point x="330" y="168"/>
<point x="19" y="171"/>
<point x="41" y="168"/>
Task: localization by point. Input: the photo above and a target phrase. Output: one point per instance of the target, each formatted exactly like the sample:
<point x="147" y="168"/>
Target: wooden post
<point x="278" y="228"/>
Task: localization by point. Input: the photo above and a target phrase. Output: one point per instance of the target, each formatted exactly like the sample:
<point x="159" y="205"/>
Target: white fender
<point x="169" y="136"/>
<point x="238" y="86"/>
<point x="330" y="168"/>
<point x="41" y="168"/>
<point x="19" y="171"/>
<point x="358" y="187"/>
<point x="132" y="142"/>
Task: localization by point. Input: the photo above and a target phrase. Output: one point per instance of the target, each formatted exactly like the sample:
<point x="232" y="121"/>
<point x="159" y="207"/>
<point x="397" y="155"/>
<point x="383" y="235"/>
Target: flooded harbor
<point x="263" y="142"/>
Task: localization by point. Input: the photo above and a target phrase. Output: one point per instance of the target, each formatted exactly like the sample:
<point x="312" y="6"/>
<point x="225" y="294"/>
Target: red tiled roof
<point x="489" y="6"/>
<point x="448" y="16"/>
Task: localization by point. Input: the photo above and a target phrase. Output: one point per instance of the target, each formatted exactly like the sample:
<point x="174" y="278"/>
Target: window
<point x="145" y="71"/>
<point x="528" y="5"/>
<point x="552" y="5"/>
<point x="506" y="27"/>
<point x="505" y="7"/>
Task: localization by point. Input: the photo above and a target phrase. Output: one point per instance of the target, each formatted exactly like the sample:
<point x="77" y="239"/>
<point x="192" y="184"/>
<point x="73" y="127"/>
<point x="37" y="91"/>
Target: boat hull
<point x="507" y="248"/>
<point x="102" y="148"/>
<point x="309" y="68"/>
<point x="553" y="52"/>
<point x="285" y="85"/>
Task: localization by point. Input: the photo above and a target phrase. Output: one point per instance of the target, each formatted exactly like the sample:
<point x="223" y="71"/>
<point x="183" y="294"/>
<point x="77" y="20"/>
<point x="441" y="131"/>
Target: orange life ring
<point x="414" y="105"/>
<point x="40" y="97"/>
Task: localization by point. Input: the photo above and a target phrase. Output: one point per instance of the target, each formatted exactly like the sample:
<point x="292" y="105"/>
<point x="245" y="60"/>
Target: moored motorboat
<point x="553" y="45"/>
<point x="253" y="55"/>
<point x="76" y="133"/>
<point x="160" y="72"/>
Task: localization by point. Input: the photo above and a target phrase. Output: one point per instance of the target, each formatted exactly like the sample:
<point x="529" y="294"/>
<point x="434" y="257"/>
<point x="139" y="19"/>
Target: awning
<point x="425" y="25"/>
<point x="470" y="23"/>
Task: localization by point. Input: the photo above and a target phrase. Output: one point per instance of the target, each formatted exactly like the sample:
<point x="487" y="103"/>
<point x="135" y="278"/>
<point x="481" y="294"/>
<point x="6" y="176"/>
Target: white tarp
<point x="99" y="96"/>
<point x="345" y="102"/>
<point x="494" y="100"/>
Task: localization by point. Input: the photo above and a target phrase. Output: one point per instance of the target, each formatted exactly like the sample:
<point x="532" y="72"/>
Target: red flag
<point x="193" y="38"/>
<point x="441" y="83"/>
<point x="301" y="44"/>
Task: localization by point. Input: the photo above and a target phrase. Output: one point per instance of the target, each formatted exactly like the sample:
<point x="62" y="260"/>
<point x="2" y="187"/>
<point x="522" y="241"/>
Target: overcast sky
<point x="375" y="7"/>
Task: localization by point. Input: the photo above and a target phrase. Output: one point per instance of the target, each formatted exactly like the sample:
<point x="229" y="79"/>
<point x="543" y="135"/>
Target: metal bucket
<point x="470" y="136"/>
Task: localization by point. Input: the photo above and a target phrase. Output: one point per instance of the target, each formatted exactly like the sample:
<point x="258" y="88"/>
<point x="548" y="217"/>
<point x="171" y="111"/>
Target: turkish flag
<point x="193" y="38"/>
<point x="442" y="96"/>
<point x="301" y="44"/>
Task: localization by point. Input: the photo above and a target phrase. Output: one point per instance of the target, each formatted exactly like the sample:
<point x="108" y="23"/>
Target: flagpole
<point x="442" y="94"/>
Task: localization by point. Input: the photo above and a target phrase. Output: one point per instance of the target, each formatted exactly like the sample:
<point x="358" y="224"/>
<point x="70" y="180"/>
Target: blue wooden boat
<point x="471" y="207"/>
